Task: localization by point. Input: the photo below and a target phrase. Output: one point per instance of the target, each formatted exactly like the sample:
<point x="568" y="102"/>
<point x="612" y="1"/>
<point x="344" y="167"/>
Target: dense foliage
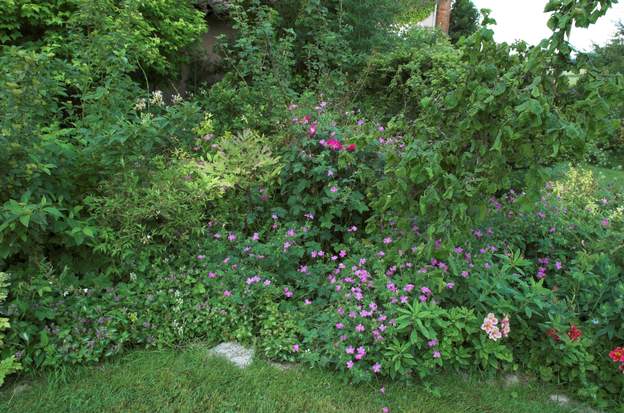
<point x="150" y="33"/>
<point x="611" y="56"/>
<point x="7" y="365"/>
<point x="464" y="20"/>
<point x="354" y="193"/>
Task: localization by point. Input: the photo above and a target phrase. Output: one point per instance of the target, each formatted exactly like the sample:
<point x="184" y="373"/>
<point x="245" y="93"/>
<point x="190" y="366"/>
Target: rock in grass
<point x="21" y="388"/>
<point x="282" y="366"/>
<point x="512" y="380"/>
<point x="559" y="398"/>
<point x="234" y="352"/>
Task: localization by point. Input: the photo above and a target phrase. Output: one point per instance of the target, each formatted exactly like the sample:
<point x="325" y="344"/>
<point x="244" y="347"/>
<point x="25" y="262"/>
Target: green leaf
<point x="199" y="289"/>
<point x="25" y="219"/>
<point x="499" y="89"/>
<point x="88" y="231"/>
<point x="53" y="211"/>
<point x="497" y="143"/>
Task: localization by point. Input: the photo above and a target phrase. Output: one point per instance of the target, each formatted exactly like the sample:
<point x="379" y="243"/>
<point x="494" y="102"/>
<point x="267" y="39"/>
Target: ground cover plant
<point x="425" y="208"/>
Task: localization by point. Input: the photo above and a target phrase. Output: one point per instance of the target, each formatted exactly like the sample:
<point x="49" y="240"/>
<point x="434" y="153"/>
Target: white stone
<point x="21" y="388"/>
<point x="235" y="353"/>
<point x="282" y="366"/>
<point x="559" y="398"/>
<point x="512" y="380"/>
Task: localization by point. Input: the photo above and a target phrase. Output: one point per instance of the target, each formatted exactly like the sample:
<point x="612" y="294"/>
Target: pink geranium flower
<point x="334" y="144"/>
<point x="312" y="130"/>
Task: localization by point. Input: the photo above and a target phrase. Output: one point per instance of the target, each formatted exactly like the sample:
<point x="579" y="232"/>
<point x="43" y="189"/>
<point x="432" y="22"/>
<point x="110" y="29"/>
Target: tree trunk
<point x="443" y="15"/>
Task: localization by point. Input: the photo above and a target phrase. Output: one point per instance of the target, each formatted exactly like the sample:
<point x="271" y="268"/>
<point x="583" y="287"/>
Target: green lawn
<point x="611" y="179"/>
<point x="192" y="381"/>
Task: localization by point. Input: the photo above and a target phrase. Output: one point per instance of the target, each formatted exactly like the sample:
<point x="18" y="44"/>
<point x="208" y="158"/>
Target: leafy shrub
<point x="573" y="235"/>
<point x="255" y="92"/>
<point x="7" y="365"/>
<point x="608" y="134"/>
<point x="145" y="211"/>
<point x="52" y="169"/>
<point x="323" y="174"/>
<point x="27" y="226"/>
<point x="33" y="144"/>
<point x="157" y="209"/>
<point x="335" y="37"/>
<point x="148" y="33"/>
<point x="449" y="158"/>
<point x="22" y="17"/>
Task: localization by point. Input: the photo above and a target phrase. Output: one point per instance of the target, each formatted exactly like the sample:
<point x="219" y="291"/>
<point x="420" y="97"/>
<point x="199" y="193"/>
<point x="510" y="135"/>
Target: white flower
<point x="157" y="98"/>
<point x="140" y="105"/>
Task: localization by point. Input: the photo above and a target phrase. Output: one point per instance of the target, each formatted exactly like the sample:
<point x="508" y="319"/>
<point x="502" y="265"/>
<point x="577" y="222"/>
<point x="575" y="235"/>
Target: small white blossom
<point x="157" y="98"/>
<point x="140" y="105"/>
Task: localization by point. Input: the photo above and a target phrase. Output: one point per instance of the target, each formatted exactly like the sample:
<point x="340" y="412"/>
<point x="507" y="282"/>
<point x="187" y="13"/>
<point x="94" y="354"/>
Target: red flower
<point x="552" y="333"/>
<point x="351" y="148"/>
<point x="617" y="355"/>
<point x="574" y="333"/>
<point x="334" y="144"/>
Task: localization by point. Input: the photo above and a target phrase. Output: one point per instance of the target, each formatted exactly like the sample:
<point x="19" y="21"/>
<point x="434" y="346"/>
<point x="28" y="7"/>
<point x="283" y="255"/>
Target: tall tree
<point x="610" y="57"/>
<point x="464" y="19"/>
<point x="443" y="15"/>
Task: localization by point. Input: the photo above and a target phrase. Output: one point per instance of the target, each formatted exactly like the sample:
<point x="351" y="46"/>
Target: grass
<point x="193" y="381"/>
<point x="610" y="178"/>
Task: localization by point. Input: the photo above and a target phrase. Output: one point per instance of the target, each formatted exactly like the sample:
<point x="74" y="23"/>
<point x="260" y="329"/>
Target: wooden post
<point x="443" y="15"/>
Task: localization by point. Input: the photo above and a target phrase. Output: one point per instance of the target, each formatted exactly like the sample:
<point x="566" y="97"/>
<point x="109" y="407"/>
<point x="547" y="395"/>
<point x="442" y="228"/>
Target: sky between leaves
<point x="526" y="20"/>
